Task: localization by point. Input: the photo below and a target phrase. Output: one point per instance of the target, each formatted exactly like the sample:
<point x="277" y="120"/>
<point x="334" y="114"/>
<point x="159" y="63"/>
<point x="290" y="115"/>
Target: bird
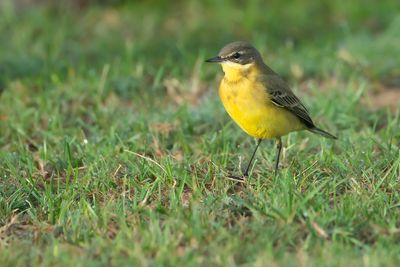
<point x="258" y="100"/>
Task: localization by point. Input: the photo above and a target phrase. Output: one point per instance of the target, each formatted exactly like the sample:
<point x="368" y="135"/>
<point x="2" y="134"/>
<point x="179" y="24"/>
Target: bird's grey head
<point x="242" y="53"/>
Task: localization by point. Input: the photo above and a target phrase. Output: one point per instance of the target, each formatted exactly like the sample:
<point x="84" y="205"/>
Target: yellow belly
<point x="249" y="105"/>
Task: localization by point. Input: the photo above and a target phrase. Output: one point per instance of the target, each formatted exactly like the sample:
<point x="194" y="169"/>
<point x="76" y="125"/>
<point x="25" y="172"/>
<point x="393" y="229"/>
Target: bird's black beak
<point x="216" y="59"/>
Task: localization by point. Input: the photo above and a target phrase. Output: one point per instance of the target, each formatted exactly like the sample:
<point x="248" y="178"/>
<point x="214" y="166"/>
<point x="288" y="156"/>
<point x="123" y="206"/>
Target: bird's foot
<point x="236" y="178"/>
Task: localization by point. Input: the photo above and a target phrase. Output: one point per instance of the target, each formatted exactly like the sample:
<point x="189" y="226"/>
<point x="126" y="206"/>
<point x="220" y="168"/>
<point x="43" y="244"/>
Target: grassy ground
<point x="114" y="145"/>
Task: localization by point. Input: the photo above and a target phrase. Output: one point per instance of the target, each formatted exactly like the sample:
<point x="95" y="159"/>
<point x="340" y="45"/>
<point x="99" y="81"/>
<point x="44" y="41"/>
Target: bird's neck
<point x="235" y="72"/>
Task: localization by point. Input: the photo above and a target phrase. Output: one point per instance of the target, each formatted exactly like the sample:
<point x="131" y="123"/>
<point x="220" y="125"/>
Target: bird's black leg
<point x="279" y="149"/>
<point x="246" y="172"/>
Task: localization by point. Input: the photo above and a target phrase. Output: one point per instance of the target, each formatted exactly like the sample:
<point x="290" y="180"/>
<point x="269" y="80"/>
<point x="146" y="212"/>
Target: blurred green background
<point x="114" y="145"/>
<point x="319" y="36"/>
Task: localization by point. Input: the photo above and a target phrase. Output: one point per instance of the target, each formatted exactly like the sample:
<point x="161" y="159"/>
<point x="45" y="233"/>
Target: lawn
<point x="114" y="146"/>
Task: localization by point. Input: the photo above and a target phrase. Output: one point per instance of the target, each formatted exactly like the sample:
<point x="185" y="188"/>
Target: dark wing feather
<point x="282" y="96"/>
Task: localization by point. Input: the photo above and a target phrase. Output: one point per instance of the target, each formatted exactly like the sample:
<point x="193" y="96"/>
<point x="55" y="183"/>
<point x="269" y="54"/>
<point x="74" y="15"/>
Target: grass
<point x="114" y="145"/>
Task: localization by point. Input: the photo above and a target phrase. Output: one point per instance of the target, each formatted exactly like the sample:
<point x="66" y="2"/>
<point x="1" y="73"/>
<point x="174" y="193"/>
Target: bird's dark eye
<point x="236" y="55"/>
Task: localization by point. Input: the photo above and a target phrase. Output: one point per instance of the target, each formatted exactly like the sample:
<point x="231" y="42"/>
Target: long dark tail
<point x="322" y="132"/>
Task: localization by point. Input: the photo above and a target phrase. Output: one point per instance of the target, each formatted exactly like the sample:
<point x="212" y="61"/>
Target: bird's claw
<point x="240" y="179"/>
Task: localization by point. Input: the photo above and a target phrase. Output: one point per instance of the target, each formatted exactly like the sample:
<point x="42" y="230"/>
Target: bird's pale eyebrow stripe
<point x="231" y="54"/>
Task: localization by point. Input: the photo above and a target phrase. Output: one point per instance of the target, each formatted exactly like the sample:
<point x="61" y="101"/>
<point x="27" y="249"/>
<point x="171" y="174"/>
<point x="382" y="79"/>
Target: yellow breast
<point x="248" y="104"/>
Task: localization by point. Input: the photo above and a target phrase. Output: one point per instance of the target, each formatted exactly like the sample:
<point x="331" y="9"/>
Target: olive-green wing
<point x="282" y="96"/>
